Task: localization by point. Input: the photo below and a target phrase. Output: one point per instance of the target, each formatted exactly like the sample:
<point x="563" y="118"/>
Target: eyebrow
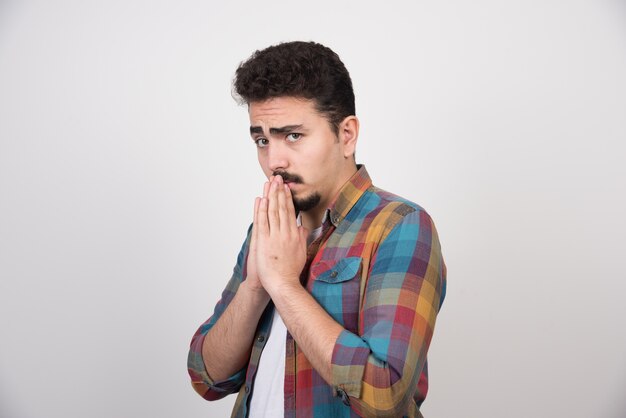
<point x="276" y="131"/>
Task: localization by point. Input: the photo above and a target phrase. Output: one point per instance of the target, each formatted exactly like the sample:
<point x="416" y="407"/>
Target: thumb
<point x="304" y="233"/>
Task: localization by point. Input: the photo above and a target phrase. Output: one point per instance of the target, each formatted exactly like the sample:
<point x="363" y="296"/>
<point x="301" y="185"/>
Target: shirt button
<point x="333" y="274"/>
<point x="260" y="338"/>
<point x="247" y="389"/>
<point x="344" y="396"/>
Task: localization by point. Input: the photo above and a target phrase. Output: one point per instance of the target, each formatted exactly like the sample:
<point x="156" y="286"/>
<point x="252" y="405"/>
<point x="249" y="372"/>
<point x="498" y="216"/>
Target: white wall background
<point x="127" y="180"/>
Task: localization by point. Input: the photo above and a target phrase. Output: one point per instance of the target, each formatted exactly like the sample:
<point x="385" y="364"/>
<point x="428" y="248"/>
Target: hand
<point x="280" y="244"/>
<point x="252" y="277"/>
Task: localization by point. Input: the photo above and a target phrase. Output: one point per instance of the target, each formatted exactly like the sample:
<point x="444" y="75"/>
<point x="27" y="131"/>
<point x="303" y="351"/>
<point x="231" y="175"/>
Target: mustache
<point x="289" y="177"/>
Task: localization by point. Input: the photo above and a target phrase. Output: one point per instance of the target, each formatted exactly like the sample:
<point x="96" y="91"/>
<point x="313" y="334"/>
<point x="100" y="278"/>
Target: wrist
<point x="256" y="294"/>
<point x="284" y="288"/>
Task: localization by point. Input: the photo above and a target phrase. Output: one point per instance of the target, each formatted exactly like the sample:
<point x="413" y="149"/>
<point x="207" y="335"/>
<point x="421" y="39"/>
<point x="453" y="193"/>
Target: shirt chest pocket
<point x="335" y="284"/>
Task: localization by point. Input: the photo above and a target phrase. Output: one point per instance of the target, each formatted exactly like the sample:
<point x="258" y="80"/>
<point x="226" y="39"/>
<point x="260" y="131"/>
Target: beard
<point x="307" y="203"/>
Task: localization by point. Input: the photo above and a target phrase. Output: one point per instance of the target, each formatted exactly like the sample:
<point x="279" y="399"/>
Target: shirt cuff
<point x="348" y="365"/>
<point x="203" y="383"/>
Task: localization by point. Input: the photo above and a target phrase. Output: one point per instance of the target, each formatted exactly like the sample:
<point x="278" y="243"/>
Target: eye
<point x="293" y="137"/>
<point x="261" y="142"/>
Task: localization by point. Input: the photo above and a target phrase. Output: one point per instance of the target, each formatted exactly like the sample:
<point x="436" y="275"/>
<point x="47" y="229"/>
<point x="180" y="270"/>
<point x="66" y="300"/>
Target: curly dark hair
<point x="298" y="69"/>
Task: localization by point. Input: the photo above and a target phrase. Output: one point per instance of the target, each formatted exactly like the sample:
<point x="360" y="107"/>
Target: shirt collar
<point x="349" y="194"/>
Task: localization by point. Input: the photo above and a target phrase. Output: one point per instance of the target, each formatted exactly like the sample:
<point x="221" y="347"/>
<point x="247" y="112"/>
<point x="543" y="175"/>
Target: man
<point x="332" y="303"/>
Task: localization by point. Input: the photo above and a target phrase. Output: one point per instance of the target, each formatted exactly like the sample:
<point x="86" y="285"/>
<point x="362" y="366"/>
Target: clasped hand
<point x="277" y="251"/>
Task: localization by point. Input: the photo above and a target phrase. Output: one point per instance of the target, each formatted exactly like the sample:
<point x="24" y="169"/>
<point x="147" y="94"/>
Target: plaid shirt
<point x="377" y="270"/>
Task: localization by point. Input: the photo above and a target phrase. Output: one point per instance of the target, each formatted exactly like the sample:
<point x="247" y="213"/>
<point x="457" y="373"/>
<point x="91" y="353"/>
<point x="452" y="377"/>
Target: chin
<point x="303" y="204"/>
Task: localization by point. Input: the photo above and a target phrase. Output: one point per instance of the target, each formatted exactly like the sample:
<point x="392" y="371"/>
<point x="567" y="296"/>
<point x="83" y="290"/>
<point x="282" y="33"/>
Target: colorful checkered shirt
<point x="377" y="270"/>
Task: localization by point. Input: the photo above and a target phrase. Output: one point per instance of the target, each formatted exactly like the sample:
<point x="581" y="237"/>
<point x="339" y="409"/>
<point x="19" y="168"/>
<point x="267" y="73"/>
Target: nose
<point x="277" y="156"/>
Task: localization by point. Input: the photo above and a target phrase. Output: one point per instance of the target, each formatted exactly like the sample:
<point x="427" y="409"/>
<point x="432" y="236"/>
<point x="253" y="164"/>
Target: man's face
<point x="297" y="142"/>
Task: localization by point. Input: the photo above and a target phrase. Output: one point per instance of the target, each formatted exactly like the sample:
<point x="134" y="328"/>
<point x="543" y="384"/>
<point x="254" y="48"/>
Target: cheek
<point x="317" y="166"/>
<point x="322" y="158"/>
<point x="263" y="164"/>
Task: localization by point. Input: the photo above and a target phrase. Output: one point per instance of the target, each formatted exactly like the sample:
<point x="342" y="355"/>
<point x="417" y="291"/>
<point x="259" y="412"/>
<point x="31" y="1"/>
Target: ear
<point x="348" y="135"/>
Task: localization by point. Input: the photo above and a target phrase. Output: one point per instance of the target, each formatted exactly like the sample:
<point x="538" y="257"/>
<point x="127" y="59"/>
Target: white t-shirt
<point x="268" y="393"/>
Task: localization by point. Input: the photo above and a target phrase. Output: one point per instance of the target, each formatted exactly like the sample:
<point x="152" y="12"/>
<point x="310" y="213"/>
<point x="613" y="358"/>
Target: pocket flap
<point x="333" y="271"/>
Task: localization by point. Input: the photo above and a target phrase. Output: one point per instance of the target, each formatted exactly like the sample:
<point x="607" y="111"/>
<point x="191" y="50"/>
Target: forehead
<point x="283" y="110"/>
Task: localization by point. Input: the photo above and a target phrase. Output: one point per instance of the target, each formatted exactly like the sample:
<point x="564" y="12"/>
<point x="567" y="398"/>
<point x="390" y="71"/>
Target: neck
<point x="312" y="218"/>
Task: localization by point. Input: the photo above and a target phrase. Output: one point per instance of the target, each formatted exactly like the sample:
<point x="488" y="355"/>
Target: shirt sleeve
<point x="379" y="369"/>
<point x="200" y="379"/>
